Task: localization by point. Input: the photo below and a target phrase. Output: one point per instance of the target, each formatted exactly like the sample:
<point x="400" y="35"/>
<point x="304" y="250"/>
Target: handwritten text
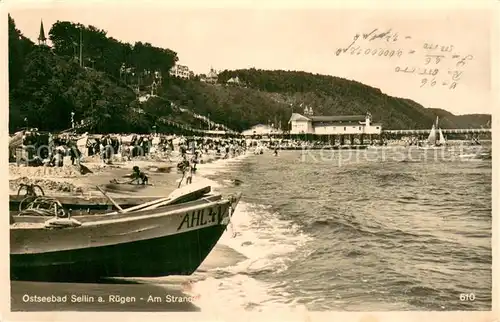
<point x="358" y="50"/>
<point x="441" y="64"/>
<point x="387" y="36"/>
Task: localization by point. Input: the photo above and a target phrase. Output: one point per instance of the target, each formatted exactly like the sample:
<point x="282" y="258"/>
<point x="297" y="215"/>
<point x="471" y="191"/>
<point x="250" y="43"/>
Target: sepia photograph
<point x="250" y="159"/>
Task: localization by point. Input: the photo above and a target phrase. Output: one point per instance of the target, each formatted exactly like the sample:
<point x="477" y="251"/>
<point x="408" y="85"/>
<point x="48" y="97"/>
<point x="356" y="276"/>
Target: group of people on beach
<point x="225" y="148"/>
<point x="107" y="147"/>
<point x="191" y="152"/>
<point x="35" y="148"/>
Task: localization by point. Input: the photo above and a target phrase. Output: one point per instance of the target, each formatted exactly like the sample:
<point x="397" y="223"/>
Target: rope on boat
<point x="30" y="194"/>
<point x="42" y="206"/>
<point x="49" y="207"/>
<point x="30" y="189"/>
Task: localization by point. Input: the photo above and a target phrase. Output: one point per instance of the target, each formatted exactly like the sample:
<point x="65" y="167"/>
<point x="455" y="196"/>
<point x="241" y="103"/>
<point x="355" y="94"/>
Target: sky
<point x="307" y="39"/>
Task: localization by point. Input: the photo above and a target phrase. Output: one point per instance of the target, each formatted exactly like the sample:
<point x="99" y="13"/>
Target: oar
<point x="174" y="196"/>
<point x="160" y="204"/>
<point x="110" y="199"/>
<point x="146" y="204"/>
<point x="150" y="205"/>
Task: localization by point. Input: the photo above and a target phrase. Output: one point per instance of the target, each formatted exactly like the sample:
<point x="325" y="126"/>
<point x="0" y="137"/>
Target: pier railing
<point x="445" y="131"/>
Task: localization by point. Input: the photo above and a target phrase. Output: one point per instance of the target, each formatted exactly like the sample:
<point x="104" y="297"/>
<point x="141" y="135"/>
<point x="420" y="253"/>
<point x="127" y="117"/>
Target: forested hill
<point x="47" y="84"/>
<point x="330" y="95"/>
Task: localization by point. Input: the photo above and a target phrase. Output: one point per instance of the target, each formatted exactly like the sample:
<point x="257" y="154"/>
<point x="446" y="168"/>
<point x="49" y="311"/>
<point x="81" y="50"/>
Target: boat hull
<point x="173" y="240"/>
<point x="179" y="254"/>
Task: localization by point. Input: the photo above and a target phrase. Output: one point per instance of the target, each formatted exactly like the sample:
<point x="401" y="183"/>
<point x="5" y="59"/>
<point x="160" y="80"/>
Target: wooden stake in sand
<point x="110" y="199"/>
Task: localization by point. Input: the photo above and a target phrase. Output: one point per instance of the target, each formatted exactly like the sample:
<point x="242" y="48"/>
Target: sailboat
<point x="442" y="140"/>
<point x="436" y="138"/>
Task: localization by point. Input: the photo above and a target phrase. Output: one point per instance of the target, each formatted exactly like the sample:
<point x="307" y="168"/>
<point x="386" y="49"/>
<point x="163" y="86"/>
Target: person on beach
<point x="183" y="164"/>
<point x="59" y="156"/>
<point x="75" y="154"/>
<point x="194" y="161"/>
<point x="182" y="150"/>
<point x="51" y="146"/>
<point x="190" y="172"/>
<point x="138" y="175"/>
<point x="102" y="151"/>
<point x="126" y="153"/>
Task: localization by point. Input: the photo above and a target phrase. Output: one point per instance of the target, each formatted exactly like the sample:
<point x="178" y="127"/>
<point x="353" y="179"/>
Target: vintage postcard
<point x="218" y="160"/>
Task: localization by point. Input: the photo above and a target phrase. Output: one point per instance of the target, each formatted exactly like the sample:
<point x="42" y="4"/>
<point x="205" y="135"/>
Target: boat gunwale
<point x="144" y="214"/>
<point x="156" y="213"/>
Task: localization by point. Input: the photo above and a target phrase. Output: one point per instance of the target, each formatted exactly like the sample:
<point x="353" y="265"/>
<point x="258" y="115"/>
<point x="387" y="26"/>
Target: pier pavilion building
<point x="333" y="125"/>
<point x="335" y="129"/>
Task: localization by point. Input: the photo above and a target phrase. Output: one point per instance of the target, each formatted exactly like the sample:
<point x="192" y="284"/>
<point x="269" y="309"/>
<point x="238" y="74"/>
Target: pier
<point x="385" y="135"/>
<point x="455" y="134"/>
<point x="445" y="131"/>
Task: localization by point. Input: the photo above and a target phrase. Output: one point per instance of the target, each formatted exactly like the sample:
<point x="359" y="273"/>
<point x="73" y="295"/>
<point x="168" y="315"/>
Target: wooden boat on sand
<point x="157" y="238"/>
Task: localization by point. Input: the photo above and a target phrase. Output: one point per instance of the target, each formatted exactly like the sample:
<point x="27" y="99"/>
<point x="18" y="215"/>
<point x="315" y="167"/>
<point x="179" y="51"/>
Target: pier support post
<point x="361" y="139"/>
<point x="351" y="138"/>
<point x="342" y="139"/>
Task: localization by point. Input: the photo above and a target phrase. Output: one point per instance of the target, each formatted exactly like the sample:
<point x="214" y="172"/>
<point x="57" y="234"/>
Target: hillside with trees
<point x="329" y="95"/>
<point x="101" y="84"/>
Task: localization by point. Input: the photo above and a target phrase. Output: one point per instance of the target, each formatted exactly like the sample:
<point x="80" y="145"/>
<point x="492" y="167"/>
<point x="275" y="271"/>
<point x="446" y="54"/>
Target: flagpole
<point x="81" y="51"/>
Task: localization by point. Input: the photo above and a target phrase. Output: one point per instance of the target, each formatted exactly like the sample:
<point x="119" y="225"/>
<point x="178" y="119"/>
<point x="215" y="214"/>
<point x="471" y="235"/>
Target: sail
<point x="432" y="136"/>
<point x="442" y="140"/>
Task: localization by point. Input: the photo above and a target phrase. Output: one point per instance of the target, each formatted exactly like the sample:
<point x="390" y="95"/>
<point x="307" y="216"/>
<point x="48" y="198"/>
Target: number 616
<point x="467" y="297"/>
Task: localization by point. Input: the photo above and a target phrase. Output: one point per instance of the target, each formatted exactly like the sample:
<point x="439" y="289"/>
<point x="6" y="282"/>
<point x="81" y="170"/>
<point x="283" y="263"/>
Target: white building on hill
<point x="211" y="77"/>
<point x="333" y="125"/>
<point x="234" y="81"/>
<point x="180" y="71"/>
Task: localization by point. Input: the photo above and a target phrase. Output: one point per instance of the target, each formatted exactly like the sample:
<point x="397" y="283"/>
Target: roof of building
<point x="338" y="118"/>
<point x="298" y="117"/>
<point x="234" y="80"/>
<point x="41" y="35"/>
<point x="212" y="73"/>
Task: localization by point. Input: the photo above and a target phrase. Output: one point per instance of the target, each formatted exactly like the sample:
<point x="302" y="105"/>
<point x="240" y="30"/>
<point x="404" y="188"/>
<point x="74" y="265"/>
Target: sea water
<point x="387" y="229"/>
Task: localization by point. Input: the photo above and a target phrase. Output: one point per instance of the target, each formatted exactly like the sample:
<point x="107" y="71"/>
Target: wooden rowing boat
<point x="158" y="238"/>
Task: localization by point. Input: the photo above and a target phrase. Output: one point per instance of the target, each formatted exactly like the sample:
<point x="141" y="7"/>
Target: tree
<point x="19" y="48"/>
